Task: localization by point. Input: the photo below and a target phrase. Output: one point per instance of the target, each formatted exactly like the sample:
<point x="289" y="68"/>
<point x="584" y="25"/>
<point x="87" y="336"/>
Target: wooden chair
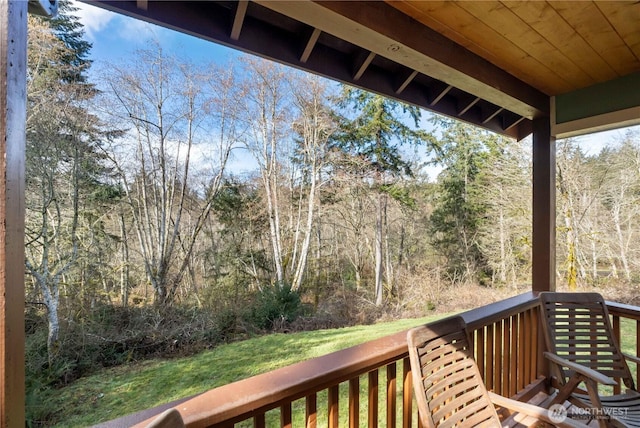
<point x="584" y="354"/>
<point x="170" y="418"/>
<point x="447" y="384"/>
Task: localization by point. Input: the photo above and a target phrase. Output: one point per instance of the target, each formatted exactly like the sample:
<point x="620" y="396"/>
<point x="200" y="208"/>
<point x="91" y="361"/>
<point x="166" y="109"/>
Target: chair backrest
<point x="577" y="327"/>
<point x="447" y="383"/>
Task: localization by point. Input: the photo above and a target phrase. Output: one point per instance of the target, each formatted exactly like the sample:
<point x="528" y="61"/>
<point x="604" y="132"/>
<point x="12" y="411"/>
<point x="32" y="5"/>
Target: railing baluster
<point x="513" y="357"/>
<point x="480" y="353"/>
<point x="391" y="395"/>
<point x="522" y="334"/>
<point x="497" y="371"/>
<point x="407" y="394"/>
<point x="354" y="402"/>
<point x="506" y="357"/>
<point x="311" y="410"/>
<point x="637" y="352"/>
<point x="536" y="348"/>
<point x="616" y="334"/>
<point x="334" y="404"/>
<point x="528" y="356"/>
<point x="488" y="380"/>
<point x="285" y="415"/>
<point x="259" y="421"/>
<point x="373" y="399"/>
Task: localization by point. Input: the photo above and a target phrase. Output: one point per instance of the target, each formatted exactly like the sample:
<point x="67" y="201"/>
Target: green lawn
<point x="123" y="390"/>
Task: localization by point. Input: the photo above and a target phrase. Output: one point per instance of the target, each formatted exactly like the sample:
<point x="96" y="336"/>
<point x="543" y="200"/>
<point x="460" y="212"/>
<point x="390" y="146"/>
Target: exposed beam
<point x="468" y="106"/>
<point x="440" y="94"/>
<point x="544" y="207"/>
<point x="493" y="114"/>
<point x="238" y="19"/>
<point x="274" y="36"/>
<point x="510" y="124"/>
<point x="382" y="29"/>
<point x="599" y="123"/>
<point x="13" y="72"/>
<point x="609" y="105"/>
<point x="615" y="95"/>
<point x="362" y="64"/>
<point x="313" y="39"/>
<point x="406" y="81"/>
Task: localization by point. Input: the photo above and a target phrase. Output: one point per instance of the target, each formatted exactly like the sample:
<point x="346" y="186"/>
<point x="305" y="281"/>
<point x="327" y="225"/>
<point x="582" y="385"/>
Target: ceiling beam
<point x="362" y="64"/>
<point x="382" y="29"/>
<point x="406" y="81"/>
<point x="313" y="39"/>
<point x="439" y="95"/>
<point x="238" y="19"/>
<point x="492" y="114"/>
<point x="282" y="38"/>
<point x="468" y="106"/>
<point x="608" y="105"/>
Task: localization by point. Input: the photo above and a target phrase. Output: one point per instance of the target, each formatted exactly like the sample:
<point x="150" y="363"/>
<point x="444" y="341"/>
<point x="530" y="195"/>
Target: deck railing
<point x="370" y="384"/>
<point x="508" y="348"/>
<point x="626" y="318"/>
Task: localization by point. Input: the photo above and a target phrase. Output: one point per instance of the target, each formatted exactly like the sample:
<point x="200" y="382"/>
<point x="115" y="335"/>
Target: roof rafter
<point x="238" y="19"/>
<point x="303" y="34"/>
<point x="380" y="28"/>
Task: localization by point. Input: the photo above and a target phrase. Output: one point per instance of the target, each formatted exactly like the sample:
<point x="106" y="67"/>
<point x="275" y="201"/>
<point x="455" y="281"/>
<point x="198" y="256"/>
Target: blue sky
<point x="116" y="37"/>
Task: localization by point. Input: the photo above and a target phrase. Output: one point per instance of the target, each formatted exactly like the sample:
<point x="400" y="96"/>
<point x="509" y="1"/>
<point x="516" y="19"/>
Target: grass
<point x="119" y="391"/>
<point x="628" y="343"/>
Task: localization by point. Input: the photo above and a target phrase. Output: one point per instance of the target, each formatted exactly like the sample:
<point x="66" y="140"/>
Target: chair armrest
<point x="539" y="413"/>
<point x="632" y="358"/>
<point x="585" y="371"/>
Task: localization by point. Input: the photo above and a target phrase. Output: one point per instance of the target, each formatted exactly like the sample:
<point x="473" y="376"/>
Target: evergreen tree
<point x="69" y="30"/>
<point x="376" y="136"/>
<point x="459" y="208"/>
<point x="63" y="164"/>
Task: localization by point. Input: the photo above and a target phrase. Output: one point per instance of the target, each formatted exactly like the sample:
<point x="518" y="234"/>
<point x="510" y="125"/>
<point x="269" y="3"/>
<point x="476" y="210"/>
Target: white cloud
<point x="94" y="19"/>
<point x="138" y="31"/>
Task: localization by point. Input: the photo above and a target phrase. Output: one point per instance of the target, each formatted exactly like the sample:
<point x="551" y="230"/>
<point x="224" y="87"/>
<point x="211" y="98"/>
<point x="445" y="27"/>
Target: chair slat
<point x="577" y="327"/>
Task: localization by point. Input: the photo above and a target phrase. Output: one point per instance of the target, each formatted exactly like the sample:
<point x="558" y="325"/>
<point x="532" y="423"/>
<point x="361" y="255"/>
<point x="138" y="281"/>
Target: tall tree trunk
<point x="388" y="263"/>
<point x="304" y="251"/>
<point x="622" y="247"/>
<point x="378" y="252"/>
<point x="124" y="270"/>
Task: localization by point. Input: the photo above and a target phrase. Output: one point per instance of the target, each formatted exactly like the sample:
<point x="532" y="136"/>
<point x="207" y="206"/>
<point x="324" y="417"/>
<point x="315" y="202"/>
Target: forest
<point x="143" y="241"/>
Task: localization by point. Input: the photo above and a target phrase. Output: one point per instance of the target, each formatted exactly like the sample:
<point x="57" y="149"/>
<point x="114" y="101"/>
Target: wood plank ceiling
<point x="554" y="46"/>
<point x="490" y="63"/>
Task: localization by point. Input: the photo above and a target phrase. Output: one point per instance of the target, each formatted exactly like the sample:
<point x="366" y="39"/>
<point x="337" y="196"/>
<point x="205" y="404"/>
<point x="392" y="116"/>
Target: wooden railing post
<point x="544" y="206"/>
<point x="13" y="72"/>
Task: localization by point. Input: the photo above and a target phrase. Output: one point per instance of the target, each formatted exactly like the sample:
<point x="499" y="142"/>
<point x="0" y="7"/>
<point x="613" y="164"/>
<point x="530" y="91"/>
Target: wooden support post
<point x="13" y="49"/>
<point x="544" y="206"/>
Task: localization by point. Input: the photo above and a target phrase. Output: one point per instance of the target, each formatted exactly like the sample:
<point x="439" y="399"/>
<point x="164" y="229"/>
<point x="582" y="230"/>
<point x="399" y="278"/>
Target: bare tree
<point x="314" y="127"/>
<point x="174" y="112"/>
<point x="267" y="108"/>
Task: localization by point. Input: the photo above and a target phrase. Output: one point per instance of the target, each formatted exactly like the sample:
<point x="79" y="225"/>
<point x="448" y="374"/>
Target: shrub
<point x="274" y="307"/>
